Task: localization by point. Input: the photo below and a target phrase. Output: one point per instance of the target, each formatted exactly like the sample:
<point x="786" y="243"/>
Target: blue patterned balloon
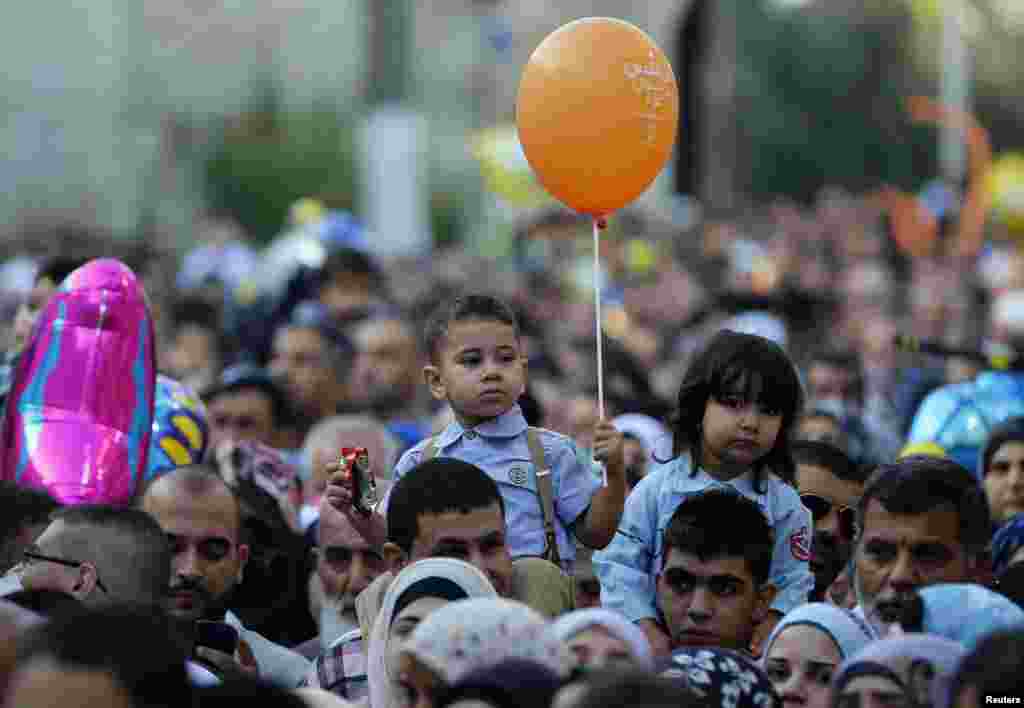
<point x="959" y="417"/>
<point x="180" y="429"/>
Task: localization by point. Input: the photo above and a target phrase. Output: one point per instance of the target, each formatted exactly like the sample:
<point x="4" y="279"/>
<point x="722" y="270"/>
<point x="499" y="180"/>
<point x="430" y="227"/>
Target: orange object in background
<point x="597" y="113"/>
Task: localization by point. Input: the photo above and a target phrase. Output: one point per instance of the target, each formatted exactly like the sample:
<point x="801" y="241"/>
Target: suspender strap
<point x="544" y="488"/>
<point x="547" y="496"/>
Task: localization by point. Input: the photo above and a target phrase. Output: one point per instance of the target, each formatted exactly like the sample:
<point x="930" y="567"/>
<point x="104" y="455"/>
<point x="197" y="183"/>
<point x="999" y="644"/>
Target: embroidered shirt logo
<point x="800" y="544"/>
<point x="517" y="475"/>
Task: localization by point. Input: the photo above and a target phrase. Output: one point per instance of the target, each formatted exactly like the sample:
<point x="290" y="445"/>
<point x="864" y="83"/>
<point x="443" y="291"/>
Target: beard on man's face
<point x="189" y="600"/>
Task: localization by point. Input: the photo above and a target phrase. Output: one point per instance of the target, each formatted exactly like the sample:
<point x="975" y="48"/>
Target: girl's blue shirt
<point x="629" y="566"/>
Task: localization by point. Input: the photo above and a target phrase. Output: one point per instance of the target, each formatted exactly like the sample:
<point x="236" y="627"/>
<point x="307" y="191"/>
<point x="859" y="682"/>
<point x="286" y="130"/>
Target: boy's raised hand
<point x="608" y="447"/>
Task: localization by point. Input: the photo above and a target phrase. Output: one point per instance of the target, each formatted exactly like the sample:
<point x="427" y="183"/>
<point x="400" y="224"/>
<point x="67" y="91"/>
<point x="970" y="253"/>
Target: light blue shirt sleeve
<point x="790" y="571"/>
<point x="409" y="459"/>
<point x="574" y="479"/>
<point x="624" y="568"/>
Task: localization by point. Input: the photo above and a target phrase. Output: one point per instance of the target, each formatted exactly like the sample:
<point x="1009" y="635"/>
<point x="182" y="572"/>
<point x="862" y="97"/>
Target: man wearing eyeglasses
<point x="830" y="485"/>
<point x="101" y="556"/>
<point x="201" y="517"/>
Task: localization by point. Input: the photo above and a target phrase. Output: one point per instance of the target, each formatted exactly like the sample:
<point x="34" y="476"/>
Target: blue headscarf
<point x="849" y="632"/>
<point x="967" y="613"/>
<point x="1006" y="541"/>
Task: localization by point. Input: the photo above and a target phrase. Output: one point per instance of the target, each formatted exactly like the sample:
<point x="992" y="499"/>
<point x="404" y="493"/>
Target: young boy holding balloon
<point x="478" y="367"/>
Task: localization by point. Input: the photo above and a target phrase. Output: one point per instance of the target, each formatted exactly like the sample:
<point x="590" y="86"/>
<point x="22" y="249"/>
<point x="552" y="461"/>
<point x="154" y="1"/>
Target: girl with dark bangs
<point x="738" y="402"/>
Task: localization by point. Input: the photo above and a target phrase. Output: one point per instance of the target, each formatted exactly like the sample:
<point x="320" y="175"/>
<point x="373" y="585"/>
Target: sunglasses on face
<point x="820" y="508"/>
<point x="31" y="556"/>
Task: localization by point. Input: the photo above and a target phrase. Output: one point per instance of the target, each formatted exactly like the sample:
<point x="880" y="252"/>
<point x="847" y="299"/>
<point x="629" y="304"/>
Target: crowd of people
<point x="397" y="483"/>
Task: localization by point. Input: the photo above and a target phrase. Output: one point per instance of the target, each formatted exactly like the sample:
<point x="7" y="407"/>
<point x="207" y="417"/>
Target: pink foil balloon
<point x="80" y="410"/>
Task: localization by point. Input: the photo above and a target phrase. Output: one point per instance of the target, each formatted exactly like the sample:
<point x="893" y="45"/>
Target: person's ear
<point x="432" y="377"/>
<point x="394" y="556"/>
<point x="763" y="602"/>
<point x="85" y="582"/>
<point x="243" y="558"/>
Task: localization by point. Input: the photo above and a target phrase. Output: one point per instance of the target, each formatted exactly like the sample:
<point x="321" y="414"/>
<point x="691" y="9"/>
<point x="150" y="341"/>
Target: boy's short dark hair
<point x="437" y="486"/>
<point x="917" y="484"/>
<point x="719" y="523"/>
<point x="827" y="455"/>
<point x="461" y="309"/>
<point x="348" y="262"/>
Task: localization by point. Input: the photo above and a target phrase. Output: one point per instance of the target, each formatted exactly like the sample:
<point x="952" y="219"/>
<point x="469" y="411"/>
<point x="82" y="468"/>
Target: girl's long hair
<point x="749" y="366"/>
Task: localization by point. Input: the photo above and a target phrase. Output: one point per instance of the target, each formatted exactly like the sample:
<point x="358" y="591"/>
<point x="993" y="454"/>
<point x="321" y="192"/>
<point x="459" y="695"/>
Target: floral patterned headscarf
<point x="722" y="678"/>
<point x="473" y="634"/>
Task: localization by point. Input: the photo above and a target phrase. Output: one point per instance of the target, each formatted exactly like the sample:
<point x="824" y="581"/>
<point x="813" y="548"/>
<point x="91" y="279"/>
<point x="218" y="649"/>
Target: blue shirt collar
<point x="507" y="425"/>
<point x="683" y="483"/>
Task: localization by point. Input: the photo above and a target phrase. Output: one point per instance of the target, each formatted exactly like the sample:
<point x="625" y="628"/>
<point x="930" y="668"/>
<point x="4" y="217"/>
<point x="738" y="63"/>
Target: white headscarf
<point x="849" y="632"/>
<point x="467" y="635"/>
<point x="569" y="625"/>
<point x="471" y="580"/>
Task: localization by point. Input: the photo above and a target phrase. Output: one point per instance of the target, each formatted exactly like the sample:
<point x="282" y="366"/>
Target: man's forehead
<point x="940" y="524"/>
<point x="208" y="514"/>
<point x="716" y="565"/>
<point x="815" y="479"/>
<point x="455" y="525"/>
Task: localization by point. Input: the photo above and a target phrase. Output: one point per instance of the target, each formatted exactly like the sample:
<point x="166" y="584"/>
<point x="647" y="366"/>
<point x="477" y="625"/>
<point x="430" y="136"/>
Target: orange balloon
<point x="597" y="113"/>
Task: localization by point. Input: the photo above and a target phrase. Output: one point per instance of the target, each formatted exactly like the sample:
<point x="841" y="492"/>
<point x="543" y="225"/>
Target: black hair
<point x="1010" y="430"/>
<point x="58" y="268"/>
<point x="239" y="692"/>
<point x="133" y="557"/>
<point x="636" y="688"/>
<point x="345" y="261"/>
<point x="45" y="601"/>
<point x="720" y="523"/>
<point x="508" y="684"/>
<point x="760" y="371"/>
<point x="917" y="484"/>
<point x="439" y="485"/>
<point x="22" y="506"/>
<point x="137" y="647"/>
<point x="993" y="668"/>
<point x="827" y="455"/>
<point x="845" y="359"/>
<point x="461" y="309"/>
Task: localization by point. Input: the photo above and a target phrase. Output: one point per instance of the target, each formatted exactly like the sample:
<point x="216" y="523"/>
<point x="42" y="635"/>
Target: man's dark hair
<point x="137" y="646"/>
<point x="846" y="359"/>
<point x="462" y="309"/>
<point x="436" y="486"/>
<point x="719" y="523"/>
<point x="636" y="688"/>
<point x="993" y="668"/>
<point x="348" y="262"/>
<point x="45" y="602"/>
<point x="20" y="507"/>
<point x="58" y="268"/>
<point x="830" y="457"/>
<point x="129" y="549"/>
<point x="338" y="348"/>
<point x="917" y="484"/>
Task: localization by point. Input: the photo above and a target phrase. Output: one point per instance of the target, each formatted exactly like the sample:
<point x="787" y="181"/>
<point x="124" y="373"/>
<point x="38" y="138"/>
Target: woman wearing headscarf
<point x="722" y="678"/>
<point x="601" y="638"/>
<point x="908" y="671"/>
<point x="1002" y="465"/>
<point x="418" y="590"/>
<point x="463" y="637"/>
<point x="967" y="613"/>
<point x="805" y="649"/>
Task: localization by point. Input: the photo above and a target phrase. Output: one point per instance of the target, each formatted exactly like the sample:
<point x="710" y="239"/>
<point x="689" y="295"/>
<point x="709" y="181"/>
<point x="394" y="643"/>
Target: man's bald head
<point x="187" y="485"/>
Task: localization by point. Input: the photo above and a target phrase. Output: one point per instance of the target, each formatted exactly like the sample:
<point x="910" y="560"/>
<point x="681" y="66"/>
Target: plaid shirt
<point x="341" y="669"/>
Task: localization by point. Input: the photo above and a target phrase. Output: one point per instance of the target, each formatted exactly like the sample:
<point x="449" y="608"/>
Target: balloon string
<point x="598" y="225"/>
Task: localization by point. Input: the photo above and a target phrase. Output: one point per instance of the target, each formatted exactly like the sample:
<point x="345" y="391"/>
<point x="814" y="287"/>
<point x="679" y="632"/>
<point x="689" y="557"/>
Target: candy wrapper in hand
<point x="355" y="474"/>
